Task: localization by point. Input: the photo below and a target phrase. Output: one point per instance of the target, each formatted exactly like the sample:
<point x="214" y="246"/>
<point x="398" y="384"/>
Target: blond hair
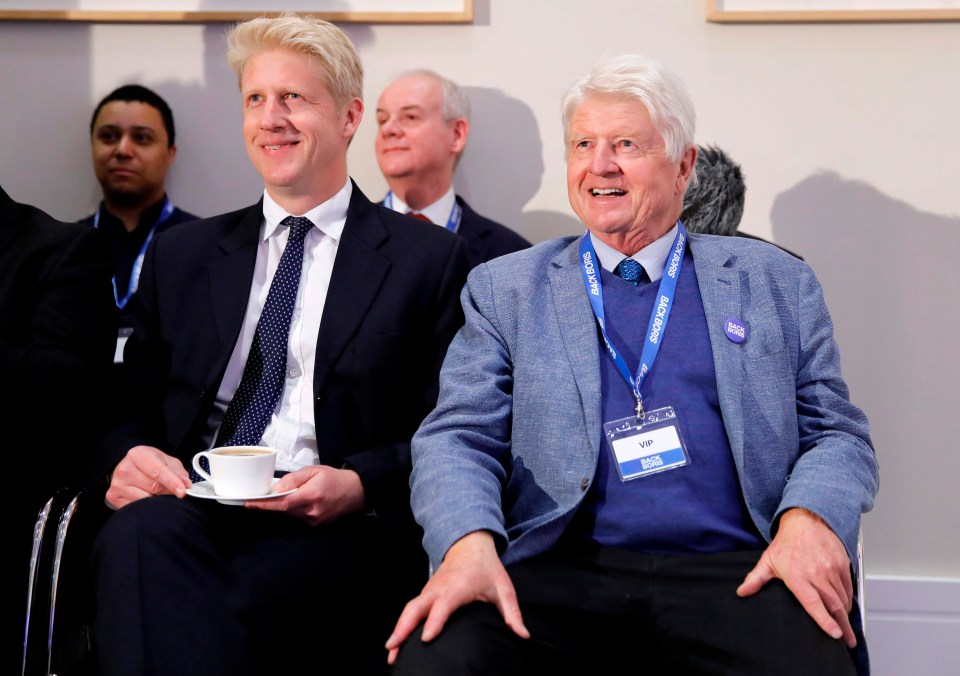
<point x="324" y="43"/>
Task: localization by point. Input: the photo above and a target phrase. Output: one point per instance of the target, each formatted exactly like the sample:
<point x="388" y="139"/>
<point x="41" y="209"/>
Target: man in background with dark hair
<point x="713" y="204"/>
<point x="132" y="138"/>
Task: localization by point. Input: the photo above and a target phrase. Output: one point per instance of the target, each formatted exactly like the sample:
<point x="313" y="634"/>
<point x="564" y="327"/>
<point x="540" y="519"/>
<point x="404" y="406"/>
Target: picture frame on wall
<point x="202" y="11"/>
<point x="823" y="11"/>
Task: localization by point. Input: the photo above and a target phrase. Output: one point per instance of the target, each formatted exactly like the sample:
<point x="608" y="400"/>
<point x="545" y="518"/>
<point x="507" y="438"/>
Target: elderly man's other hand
<point x="146" y="471"/>
<point x="471" y="571"/>
<point x="811" y="560"/>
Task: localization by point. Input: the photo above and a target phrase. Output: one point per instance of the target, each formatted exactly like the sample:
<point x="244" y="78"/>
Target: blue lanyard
<point x="165" y="213"/>
<point x="659" y="315"/>
<point x="453" y="223"/>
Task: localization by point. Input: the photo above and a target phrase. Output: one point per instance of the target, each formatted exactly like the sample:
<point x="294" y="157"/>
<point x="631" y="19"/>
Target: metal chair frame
<point x="36" y="588"/>
<point x="59" y="643"/>
<point x="861" y="598"/>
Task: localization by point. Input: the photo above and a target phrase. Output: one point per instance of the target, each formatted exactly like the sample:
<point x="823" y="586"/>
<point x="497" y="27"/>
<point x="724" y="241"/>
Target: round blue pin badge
<point x="735" y="329"/>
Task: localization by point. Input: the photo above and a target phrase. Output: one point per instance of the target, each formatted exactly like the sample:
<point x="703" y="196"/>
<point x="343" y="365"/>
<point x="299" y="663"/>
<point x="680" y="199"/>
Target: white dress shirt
<point x="291" y="429"/>
<point x="652" y="257"/>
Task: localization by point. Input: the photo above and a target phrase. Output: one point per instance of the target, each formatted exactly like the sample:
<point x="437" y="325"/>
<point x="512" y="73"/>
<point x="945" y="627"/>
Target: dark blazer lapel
<point x="474" y="230"/>
<point x="232" y="274"/>
<point x="718" y="276"/>
<point x="578" y="328"/>
<point x="359" y="271"/>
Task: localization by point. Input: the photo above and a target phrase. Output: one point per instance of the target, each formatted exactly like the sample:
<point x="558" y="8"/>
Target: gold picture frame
<point x="210" y="11"/>
<point x="820" y="11"/>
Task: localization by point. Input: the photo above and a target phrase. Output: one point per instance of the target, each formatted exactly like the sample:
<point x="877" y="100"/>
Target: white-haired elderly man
<point x="423" y="122"/>
<point x="643" y="448"/>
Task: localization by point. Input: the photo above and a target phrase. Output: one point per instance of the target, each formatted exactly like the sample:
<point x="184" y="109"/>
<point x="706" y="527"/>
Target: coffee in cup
<point x="238" y="471"/>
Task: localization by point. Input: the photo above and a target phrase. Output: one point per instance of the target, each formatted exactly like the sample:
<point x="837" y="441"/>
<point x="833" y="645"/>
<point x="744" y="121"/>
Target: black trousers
<point x="190" y="586"/>
<point x="612" y="611"/>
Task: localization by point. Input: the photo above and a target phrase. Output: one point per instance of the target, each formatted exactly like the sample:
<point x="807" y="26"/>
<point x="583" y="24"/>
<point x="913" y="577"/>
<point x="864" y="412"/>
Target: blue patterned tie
<point x="263" y="375"/>
<point x="629" y="270"/>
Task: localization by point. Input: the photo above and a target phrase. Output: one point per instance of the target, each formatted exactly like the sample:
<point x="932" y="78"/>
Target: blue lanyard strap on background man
<point x="165" y="213"/>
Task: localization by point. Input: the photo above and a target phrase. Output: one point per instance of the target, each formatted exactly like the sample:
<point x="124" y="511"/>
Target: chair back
<point x="861" y="598"/>
<point x="58" y="635"/>
<point x="43" y="550"/>
<point x="34" y="649"/>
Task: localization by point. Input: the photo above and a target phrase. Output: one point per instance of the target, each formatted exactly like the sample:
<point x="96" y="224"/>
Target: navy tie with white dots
<point x="629" y="270"/>
<point x="263" y="375"/>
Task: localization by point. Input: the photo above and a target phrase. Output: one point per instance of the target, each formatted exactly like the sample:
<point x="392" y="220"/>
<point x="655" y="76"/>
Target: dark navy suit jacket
<point x="486" y="239"/>
<point x="58" y="328"/>
<point x="391" y="309"/>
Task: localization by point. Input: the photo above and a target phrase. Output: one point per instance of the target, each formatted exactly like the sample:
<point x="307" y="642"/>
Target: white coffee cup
<point x="238" y="471"/>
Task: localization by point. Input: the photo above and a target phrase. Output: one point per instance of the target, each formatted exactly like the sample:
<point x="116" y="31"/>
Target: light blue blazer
<point x="513" y="444"/>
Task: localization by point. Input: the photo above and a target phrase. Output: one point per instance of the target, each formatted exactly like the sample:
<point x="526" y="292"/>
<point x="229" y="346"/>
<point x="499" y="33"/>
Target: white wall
<point x="847" y="134"/>
<point x="912" y="626"/>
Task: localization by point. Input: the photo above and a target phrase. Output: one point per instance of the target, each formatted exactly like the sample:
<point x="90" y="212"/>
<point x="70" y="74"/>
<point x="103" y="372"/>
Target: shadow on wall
<point x="890" y="278"/>
<point x="504" y="136"/>
<point x="212" y="173"/>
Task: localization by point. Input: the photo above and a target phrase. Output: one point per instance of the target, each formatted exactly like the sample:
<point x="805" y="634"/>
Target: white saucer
<point x="204" y="489"/>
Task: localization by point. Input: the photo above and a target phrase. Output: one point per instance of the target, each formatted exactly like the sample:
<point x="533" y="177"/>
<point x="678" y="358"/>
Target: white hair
<point x="636" y="77"/>
<point x="454" y="103"/>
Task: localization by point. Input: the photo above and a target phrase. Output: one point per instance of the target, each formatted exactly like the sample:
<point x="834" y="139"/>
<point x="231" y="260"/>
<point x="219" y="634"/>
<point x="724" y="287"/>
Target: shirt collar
<point x="438" y="212"/>
<point x="652" y="257"/>
<point x="148" y="218"/>
<point x="329" y="216"/>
